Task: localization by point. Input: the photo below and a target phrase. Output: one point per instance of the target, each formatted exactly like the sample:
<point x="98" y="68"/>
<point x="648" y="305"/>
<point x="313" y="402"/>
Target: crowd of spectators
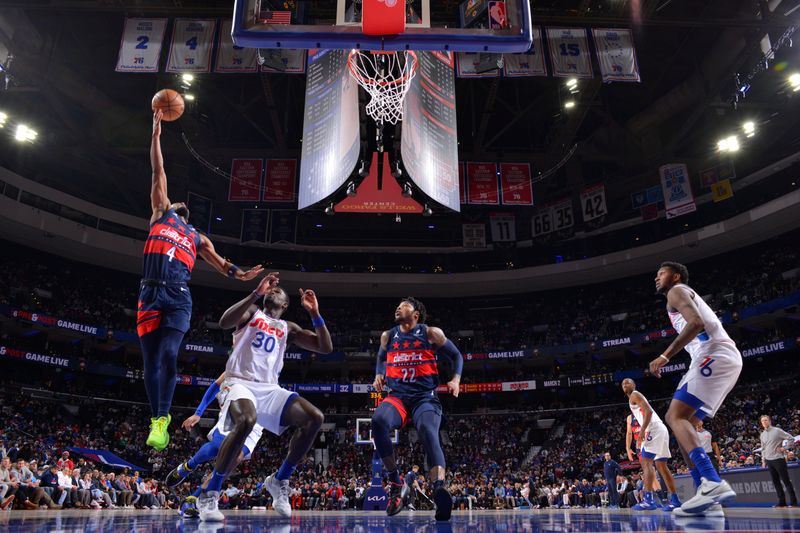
<point x="490" y="463"/>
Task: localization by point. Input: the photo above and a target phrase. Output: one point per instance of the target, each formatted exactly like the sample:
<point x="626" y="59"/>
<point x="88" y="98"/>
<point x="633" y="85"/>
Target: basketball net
<point x="386" y="76"/>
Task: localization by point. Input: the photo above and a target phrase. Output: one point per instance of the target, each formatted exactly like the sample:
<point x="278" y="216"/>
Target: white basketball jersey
<point x="705" y="441"/>
<point x="708" y="341"/>
<point x="258" y="349"/>
<point x="655" y="420"/>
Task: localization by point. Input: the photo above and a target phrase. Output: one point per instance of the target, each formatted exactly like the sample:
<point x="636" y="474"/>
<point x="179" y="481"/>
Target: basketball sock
<point x="206" y="452"/>
<point x="438" y="484"/>
<point x="703" y="464"/>
<point x="695" y="476"/>
<point x="394" y="476"/>
<point x="285" y="471"/>
<point x="215" y="483"/>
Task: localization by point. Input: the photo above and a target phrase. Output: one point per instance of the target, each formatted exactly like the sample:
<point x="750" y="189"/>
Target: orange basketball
<point x="170" y="103"/>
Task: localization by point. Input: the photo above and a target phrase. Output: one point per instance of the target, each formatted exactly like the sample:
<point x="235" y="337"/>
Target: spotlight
<point x="407" y="192"/>
<point x="794" y="81"/>
<point x="351" y="189"/>
<point x="363" y="169"/>
<point x="25" y="134"/>
<point x="729" y="144"/>
<point x="569" y="104"/>
<point x="427" y="211"/>
<point x="396" y="170"/>
<point x="3" y="118"/>
<point x="187" y="78"/>
<point x="572" y="83"/>
<point x="189" y="97"/>
<point x="749" y="128"/>
<point x="329" y="210"/>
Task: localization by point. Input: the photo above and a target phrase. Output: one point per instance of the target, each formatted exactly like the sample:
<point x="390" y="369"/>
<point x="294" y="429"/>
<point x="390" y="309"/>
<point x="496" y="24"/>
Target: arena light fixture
<point x="329" y="210"/>
<point x="572" y="83"/>
<point x="749" y="128"/>
<point x="569" y="104"/>
<point x="187" y="78"/>
<point x="3" y="119"/>
<point x="25" y="134"/>
<point x="351" y="189"/>
<point x="427" y="211"/>
<point x="794" y="81"/>
<point x="189" y="97"/>
<point x="407" y="192"/>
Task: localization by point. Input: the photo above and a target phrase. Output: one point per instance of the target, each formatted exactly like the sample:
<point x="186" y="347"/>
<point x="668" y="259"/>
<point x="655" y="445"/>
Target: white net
<point x="386" y="76"/>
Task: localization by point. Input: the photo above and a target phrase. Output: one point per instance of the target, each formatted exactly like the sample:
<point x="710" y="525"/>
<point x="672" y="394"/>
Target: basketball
<point x="170" y="103"/>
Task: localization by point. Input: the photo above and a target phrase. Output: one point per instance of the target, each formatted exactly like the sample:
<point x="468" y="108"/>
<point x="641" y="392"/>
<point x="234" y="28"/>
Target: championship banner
<point x="593" y="202"/>
<point x="474" y="236"/>
<point x="283" y="226"/>
<point x="192" y="41"/>
<point x="283" y="60"/>
<point x="140" y="48"/>
<point x="721" y="190"/>
<point x="232" y="58"/>
<point x="199" y="211"/>
<point x="482" y="184"/>
<point x="504" y="227"/>
<point x="254" y="225"/>
<point x="530" y="63"/>
<point x="569" y="52"/>
<point x="279" y="180"/>
<point x="462" y="184"/>
<point x="475" y="65"/>
<point x="678" y="196"/>
<point x="616" y="54"/>
<point x="245" y="180"/>
<point x="515" y="183"/>
<point x="710" y="176"/>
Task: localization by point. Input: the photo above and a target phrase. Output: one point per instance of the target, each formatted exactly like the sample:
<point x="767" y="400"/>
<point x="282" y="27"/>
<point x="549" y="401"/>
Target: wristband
<point x="232" y="270"/>
<point x="318" y="322"/>
<point x="664" y="357"/>
<point x="257" y="294"/>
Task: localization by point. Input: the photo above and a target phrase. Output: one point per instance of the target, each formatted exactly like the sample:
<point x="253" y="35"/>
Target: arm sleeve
<point x="208" y="397"/>
<point x="450" y="350"/>
<point x="380" y="364"/>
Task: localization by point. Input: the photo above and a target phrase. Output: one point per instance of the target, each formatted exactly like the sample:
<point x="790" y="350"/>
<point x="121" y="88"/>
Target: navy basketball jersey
<point x="635" y="428"/>
<point x="411" y="368"/>
<point x="170" y="250"/>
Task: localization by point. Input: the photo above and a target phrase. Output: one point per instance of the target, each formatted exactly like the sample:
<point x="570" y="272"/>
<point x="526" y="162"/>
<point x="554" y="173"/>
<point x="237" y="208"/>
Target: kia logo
<point x="376" y="498"/>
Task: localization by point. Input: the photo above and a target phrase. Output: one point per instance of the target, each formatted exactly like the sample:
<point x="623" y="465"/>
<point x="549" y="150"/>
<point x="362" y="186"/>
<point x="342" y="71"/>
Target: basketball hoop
<point x="386" y="76"/>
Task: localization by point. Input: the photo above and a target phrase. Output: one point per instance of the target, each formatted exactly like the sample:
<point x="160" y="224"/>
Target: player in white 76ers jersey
<point x="251" y="394"/>
<point x="713" y="372"/>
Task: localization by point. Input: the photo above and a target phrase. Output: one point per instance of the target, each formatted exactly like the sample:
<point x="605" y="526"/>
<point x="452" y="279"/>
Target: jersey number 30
<point x="262" y="340"/>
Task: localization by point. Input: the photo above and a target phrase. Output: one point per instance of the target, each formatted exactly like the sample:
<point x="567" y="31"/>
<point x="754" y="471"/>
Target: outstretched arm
<point x="445" y="346"/>
<point x="319" y="340"/>
<point x="222" y="265"/>
<point x="208" y="397"/>
<point x="380" y="365"/>
<point x="679" y="299"/>
<point x="242" y="310"/>
<point x="159" y="200"/>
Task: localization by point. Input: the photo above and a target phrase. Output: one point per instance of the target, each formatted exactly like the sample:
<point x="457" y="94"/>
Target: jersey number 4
<point x="263" y="341"/>
<point x="408" y="374"/>
<point x="171" y="254"/>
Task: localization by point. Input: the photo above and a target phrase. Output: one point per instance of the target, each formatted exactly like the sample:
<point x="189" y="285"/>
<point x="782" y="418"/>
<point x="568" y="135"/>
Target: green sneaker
<point x="159" y="436"/>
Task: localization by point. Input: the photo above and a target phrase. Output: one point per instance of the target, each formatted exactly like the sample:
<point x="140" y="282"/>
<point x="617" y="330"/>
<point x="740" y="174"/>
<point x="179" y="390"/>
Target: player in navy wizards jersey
<point x="165" y="304"/>
<point x="407" y="367"/>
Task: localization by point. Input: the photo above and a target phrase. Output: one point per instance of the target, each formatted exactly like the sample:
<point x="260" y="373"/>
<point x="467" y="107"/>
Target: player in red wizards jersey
<point x="407" y="365"/>
<point x="165" y="305"/>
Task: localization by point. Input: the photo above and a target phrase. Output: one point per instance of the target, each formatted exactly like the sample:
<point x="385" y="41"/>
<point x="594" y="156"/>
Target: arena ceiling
<point x="94" y="123"/>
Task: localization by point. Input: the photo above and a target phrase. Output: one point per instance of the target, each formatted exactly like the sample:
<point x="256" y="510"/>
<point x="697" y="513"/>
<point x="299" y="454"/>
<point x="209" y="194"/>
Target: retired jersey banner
<point x="192" y="42"/>
<point x="593" y="202"/>
<point x="474" y="236"/>
<point x="530" y="63"/>
<point x="678" y="196"/>
<point x="482" y="184"/>
<point x="254" y="225"/>
<point x="616" y="54"/>
<point x="245" y="180"/>
<point x="279" y="180"/>
<point x="504" y="227"/>
<point x="469" y="66"/>
<point x="462" y="184"/>
<point x="569" y="52"/>
<point x="721" y="190"/>
<point x="515" y="183"/>
<point x="232" y="58"/>
<point x="140" y="48"/>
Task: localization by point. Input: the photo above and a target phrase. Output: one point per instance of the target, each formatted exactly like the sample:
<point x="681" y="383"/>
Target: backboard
<point x="467" y="27"/>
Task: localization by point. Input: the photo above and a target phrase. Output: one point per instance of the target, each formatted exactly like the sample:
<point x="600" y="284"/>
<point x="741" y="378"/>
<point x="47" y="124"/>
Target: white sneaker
<point x="207" y="505"/>
<point x="708" y="493"/>
<point x="279" y="489"/>
<point x="715" y="511"/>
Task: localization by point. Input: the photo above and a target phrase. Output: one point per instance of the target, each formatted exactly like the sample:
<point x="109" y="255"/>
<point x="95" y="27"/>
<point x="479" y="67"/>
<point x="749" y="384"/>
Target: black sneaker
<point x="174" y="478"/>
<point x="444" y="503"/>
<point x="395" y="504"/>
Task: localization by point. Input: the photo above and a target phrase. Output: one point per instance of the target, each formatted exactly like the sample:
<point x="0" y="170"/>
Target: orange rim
<point x="370" y="81"/>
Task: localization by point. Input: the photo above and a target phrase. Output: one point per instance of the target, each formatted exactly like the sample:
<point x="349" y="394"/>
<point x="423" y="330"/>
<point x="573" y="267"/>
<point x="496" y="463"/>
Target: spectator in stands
<point x="65" y="462"/>
<point x="69" y="491"/>
<point x="29" y="489"/>
<point x="8" y="486"/>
